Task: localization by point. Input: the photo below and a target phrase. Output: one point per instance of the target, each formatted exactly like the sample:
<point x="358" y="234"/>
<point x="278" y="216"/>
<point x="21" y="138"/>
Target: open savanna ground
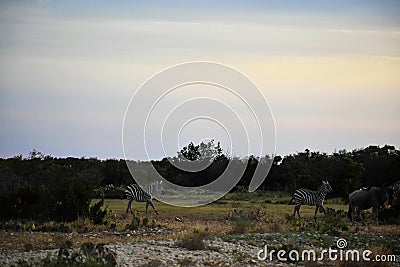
<point x="269" y="206"/>
<point x="254" y="219"/>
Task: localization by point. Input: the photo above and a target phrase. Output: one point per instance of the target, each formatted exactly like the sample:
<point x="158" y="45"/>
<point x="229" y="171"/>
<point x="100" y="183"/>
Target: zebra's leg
<point x="315" y="213"/>
<point x="152" y="205"/>
<point x="129" y="206"/>
<point x="297" y="208"/>
<point x="147" y="206"/>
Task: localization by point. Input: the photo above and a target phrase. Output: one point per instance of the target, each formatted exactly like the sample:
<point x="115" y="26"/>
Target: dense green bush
<point x="42" y="190"/>
<point x="110" y="191"/>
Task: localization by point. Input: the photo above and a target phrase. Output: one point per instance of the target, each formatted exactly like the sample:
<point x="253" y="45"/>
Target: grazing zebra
<point x="136" y="193"/>
<point x="312" y="198"/>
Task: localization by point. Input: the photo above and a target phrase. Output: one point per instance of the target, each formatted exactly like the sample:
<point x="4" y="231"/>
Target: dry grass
<point x="210" y="220"/>
<point x="192" y="242"/>
<point x="203" y="228"/>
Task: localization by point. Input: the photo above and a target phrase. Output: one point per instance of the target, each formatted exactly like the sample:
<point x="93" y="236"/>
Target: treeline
<point x="345" y="170"/>
<point x="48" y="188"/>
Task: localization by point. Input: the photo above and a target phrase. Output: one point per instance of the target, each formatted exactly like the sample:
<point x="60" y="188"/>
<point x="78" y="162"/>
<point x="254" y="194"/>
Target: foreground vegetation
<point x="233" y="214"/>
<point x="253" y="218"/>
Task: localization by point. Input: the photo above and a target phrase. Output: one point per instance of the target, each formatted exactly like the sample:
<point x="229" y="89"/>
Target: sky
<point x="330" y="70"/>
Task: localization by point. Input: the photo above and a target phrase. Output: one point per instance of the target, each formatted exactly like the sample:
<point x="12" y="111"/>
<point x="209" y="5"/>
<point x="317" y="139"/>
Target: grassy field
<point x="244" y="216"/>
<point x="251" y="213"/>
<point x="238" y="216"/>
<point x="273" y="203"/>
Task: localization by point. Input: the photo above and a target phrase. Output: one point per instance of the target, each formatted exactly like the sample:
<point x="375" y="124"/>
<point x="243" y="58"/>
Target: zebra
<point x="136" y="193"/>
<point x="395" y="189"/>
<point x="308" y="197"/>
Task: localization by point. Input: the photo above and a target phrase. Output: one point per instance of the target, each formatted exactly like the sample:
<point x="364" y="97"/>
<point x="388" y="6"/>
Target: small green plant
<point x="135" y="223"/>
<point x="80" y="225"/>
<point x="96" y="213"/>
<point x="153" y="223"/>
<point x="112" y="220"/>
<point x="145" y="222"/>
<point x="53" y="226"/>
<point x="296" y="224"/>
<point x="331" y="223"/>
<point x="326" y="224"/>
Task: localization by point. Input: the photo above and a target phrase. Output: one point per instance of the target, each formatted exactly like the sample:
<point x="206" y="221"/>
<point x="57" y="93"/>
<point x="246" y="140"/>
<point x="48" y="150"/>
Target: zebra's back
<point x="305" y="196"/>
<point x="135" y="192"/>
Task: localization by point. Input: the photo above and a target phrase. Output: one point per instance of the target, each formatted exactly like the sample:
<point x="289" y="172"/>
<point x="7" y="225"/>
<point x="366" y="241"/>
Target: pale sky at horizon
<point x="330" y="70"/>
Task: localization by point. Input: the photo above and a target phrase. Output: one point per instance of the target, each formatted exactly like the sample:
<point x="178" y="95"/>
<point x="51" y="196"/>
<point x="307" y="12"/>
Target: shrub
<point x="194" y="241"/>
<point x="241" y="227"/>
<point x="96" y="213"/>
<point x="135" y="223"/>
<point x="392" y="215"/>
<point x="332" y="223"/>
<point x="39" y="189"/>
<point x="53" y="227"/>
<point x="110" y="192"/>
<point x="74" y="198"/>
<point x="145" y="222"/>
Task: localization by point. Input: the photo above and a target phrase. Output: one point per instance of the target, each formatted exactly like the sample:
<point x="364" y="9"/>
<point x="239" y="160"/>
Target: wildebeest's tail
<point x="290" y="201"/>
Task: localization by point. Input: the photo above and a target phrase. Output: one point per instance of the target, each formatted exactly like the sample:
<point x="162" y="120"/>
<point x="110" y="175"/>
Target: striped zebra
<point x="312" y="198"/>
<point x="396" y="188"/>
<point x="134" y="192"/>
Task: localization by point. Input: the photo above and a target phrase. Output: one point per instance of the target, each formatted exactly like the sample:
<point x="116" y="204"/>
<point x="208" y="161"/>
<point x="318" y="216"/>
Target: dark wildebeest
<point x="365" y="198"/>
